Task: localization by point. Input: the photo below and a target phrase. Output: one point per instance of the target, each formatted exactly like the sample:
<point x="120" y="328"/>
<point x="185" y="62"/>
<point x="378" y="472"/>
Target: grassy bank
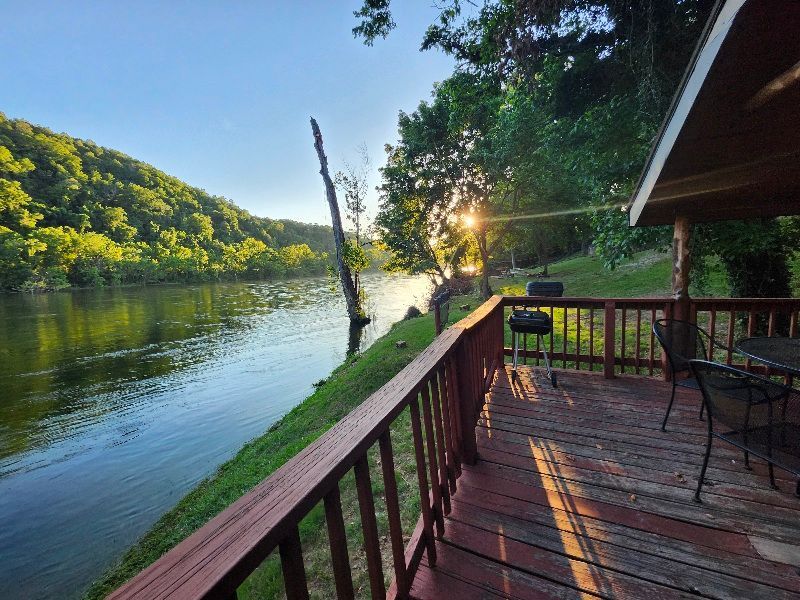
<point x="647" y="274"/>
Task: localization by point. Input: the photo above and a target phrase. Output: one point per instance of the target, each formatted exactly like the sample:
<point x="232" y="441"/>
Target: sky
<point x="219" y="93"/>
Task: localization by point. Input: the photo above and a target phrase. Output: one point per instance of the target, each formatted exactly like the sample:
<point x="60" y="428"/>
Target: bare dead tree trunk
<point x="354" y="309"/>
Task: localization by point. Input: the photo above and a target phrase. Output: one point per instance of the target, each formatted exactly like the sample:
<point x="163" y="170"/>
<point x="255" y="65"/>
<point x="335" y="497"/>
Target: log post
<point x="681" y="263"/>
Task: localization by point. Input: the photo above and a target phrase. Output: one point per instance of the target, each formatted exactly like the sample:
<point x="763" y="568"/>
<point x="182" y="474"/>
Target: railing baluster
<point x="369" y="527"/>
<point x="771" y="332"/>
<point x="751" y="327"/>
<point x="433" y="465"/>
<point x="294" y="571"/>
<point x="578" y="338"/>
<point x="651" y="348"/>
<point x="731" y="325"/>
<point x="789" y="379"/>
<point x="609" y="339"/>
<point x="712" y="327"/>
<point x="453" y="400"/>
<point x="591" y="339"/>
<point x="444" y="396"/>
<point x="638" y="338"/>
<point x="551" y="335"/>
<point x="564" y="316"/>
<point x="622" y="343"/>
<point x="422" y="481"/>
<point x="393" y="513"/>
<point x="771" y="326"/>
<point x="440" y="444"/>
<point x="337" y="539"/>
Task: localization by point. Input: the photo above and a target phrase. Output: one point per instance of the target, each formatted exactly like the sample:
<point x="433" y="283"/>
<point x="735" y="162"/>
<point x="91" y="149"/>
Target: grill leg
<point x="515" y="335"/>
<point x="550" y="373"/>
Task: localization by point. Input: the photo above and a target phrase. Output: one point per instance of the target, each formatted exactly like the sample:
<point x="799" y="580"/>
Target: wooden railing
<point x="443" y="390"/>
<point x="615" y="335"/>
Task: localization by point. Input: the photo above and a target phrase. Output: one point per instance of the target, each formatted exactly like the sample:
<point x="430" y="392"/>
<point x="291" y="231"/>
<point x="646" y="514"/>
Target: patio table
<point x="778" y="352"/>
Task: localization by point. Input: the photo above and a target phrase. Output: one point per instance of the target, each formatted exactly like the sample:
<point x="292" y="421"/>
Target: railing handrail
<point x="658" y="300"/>
<point x="253" y="526"/>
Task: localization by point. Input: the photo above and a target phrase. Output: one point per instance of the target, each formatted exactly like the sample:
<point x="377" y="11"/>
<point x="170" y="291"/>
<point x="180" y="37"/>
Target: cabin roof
<point x="729" y="147"/>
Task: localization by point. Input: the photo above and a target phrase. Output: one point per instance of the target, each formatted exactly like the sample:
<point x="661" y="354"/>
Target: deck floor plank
<point x="578" y="493"/>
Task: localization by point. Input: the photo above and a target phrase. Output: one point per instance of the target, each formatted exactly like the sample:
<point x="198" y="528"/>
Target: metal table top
<point x="779" y="352"/>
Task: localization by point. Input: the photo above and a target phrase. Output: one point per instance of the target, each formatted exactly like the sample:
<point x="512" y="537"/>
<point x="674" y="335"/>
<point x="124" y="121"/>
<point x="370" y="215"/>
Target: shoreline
<point x="116" y="286"/>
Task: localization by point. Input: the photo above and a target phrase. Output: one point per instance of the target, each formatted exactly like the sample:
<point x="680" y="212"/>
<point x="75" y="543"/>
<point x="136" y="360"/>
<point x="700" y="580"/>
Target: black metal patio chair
<point x="763" y="417"/>
<point x="683" y="341"/>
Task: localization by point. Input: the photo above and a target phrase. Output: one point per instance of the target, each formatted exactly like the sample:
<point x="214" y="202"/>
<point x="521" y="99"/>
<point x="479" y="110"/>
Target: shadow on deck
<point x="577" y="492"/>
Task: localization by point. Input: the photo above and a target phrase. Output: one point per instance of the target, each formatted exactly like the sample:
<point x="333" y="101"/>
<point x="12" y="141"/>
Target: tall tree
<point x="601" y="75"/>
<point x="352" y="182"/>
<point x="354" y="309"/>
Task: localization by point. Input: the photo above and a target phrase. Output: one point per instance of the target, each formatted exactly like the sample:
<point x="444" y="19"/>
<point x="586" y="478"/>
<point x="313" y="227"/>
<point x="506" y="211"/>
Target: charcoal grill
<point x="534" y="322"/>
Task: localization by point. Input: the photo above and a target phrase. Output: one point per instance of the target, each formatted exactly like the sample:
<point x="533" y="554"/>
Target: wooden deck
<point x="578" y="493"/>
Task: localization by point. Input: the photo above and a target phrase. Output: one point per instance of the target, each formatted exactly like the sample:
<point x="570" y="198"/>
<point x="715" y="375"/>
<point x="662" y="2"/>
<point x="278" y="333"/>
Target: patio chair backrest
<point x="738" y="399"/>
<point x="682" y="341"/>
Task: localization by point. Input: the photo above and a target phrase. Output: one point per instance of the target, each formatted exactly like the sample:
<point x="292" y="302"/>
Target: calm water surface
<point x="114" y="403"/>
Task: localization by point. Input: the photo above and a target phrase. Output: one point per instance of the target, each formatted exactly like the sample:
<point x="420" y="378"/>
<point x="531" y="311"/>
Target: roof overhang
<point x="730" y="145"/>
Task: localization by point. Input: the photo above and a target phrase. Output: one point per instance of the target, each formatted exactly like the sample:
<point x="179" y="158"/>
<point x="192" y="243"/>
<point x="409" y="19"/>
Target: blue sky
<point x="219" y="93"/>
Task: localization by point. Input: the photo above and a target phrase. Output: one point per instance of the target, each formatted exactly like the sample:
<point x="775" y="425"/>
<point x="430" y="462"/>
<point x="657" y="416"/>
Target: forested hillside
<point x="75" y="213"/>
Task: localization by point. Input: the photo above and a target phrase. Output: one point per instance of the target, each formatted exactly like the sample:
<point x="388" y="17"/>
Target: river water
<point x="115" y="402"/>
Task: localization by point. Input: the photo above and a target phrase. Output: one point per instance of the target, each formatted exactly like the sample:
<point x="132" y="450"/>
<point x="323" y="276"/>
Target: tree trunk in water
<point x="354" y="309"/>
<point x="513" y="261"/>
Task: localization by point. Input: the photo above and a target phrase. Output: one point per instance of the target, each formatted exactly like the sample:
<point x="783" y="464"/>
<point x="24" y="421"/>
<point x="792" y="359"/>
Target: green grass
<point x="647" y="274"/>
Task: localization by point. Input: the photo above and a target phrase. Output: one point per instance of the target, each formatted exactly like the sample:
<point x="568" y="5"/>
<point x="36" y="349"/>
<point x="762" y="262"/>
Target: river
<point x="115" y="402"/>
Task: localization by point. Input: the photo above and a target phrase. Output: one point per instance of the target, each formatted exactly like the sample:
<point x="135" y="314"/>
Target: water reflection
<point x="115" y="402"/>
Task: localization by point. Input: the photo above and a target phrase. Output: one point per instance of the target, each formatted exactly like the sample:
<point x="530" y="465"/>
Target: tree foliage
<point x="564" y="98"/>
<point x="74" y="213"/>
<point x="352" y="182"/>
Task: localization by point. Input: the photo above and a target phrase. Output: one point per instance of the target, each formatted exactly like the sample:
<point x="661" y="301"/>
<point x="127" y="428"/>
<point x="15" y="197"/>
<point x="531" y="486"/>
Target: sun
<point x="469" y="220"/>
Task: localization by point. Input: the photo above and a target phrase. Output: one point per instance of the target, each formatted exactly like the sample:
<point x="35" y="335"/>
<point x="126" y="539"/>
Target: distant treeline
<point x="73" y="213"/>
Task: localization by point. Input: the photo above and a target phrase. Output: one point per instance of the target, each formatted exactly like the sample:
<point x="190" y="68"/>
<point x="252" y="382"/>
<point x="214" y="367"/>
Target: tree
<point x="352" y="182"/>
<point x="594" y="80"/>
<point x="443" y="182"/>
<point x="354" y="309"/>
